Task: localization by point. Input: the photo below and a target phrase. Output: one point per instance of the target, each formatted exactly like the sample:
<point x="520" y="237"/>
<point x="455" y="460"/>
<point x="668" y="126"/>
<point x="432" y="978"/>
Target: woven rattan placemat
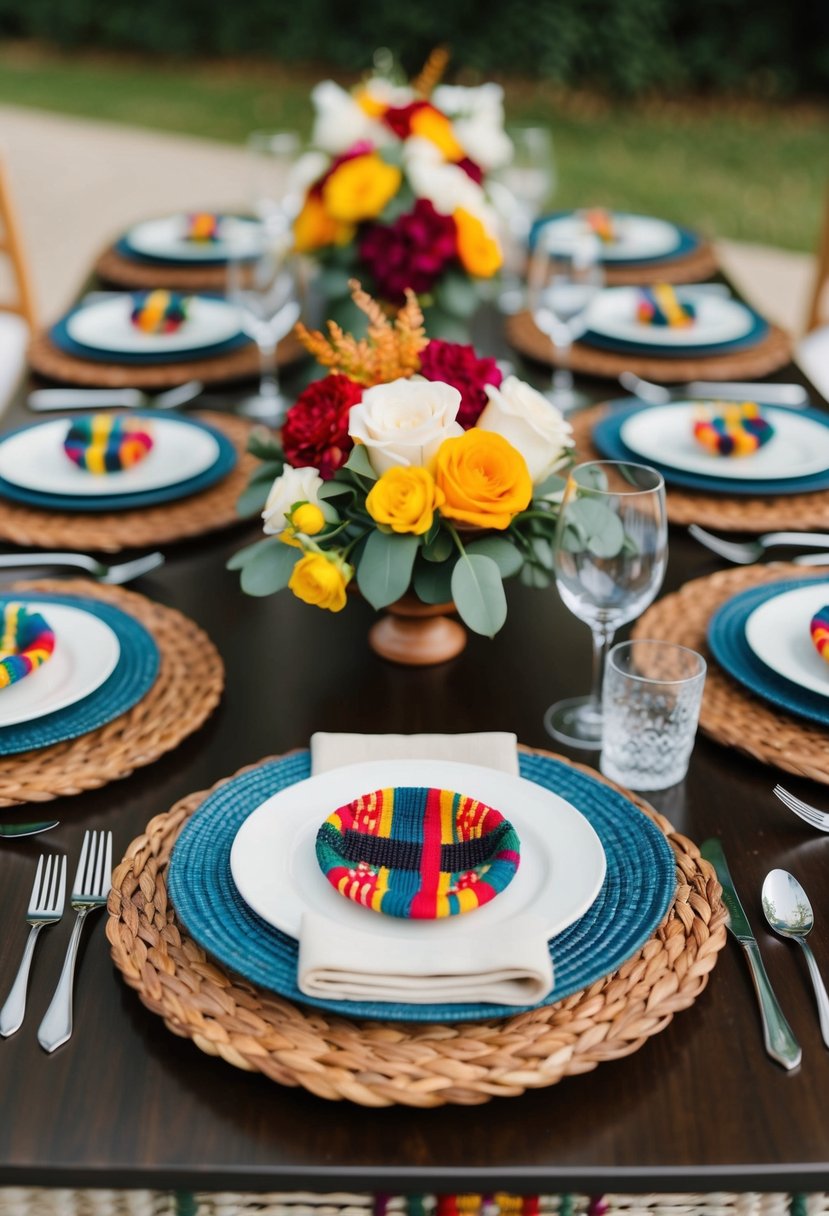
<point x="738" y="514"/>
<point x="384" y="1063"/>
<point x="701" y="263"/>
<point x="186" y="691"/>
<point x="770" y="354"/>
<point x="113" y="267"/>
<point x="730" y="713"/>
<point x="111" y="531"/>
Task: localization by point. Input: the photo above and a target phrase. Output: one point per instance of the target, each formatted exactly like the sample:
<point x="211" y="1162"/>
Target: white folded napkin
<point x="505" y="964"/>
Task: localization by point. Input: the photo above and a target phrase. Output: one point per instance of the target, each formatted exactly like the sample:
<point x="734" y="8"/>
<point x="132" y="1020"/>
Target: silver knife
<point x="768" y="394"/>
<point x="780" y="1042"/>
<point x="12" y="830"/>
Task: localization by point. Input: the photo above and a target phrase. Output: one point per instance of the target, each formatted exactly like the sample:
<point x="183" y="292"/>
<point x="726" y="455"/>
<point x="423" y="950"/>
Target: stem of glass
<point x="563" y="376"/>
<point x="602" y="640"/>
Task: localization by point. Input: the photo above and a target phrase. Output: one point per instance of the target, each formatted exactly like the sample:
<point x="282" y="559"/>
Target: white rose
<point x="446" y="186"/>
<point x="530" y="423"/>
<point x="340" y="122"/>
<point x="478" y="120"/>
<point x="405" y="422"/>
<point x="291" y="486"/>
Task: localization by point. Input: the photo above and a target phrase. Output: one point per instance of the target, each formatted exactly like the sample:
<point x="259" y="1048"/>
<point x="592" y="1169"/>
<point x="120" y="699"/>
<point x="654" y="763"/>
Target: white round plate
<point x="85" y="655"/>
<point x="274" y="863"/>
<point x="166" y="238"/>
<point x="719" y="319"/>
<point x="778" y="633"/>
<point x="637" y="236"/>
<point x="106" y="325"/>
<point x="34" y="459"/>
<point x="664" y="434"/>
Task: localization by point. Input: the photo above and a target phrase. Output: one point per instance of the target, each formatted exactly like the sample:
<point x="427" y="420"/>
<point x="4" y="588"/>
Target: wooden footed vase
<point x="416" y="634"/>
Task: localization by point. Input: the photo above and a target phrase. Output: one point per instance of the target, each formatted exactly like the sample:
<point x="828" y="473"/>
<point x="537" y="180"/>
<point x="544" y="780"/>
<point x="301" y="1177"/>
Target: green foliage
<point x="385" y="569"/>
<point x="268" y="567"/>
<point x="479" y="594"/>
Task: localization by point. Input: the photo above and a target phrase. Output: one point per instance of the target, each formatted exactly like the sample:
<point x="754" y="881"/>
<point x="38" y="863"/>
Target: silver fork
<point x="743" y="553"/>
<point x="123" y="572"/>
<point x="45" y="908"/>
<point x="42" y="400"/>
<point x="811" y="814"/>
<point x="792" y="395"/>
<point x="89" y="891"/>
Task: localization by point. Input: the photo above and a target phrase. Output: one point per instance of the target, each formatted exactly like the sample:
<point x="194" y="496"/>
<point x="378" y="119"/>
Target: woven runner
<point x="146" y="527"/>
<point x="184" y="695"/>
<point x="693" y="267"/>
<point x="769" y="355"/>
<point x="730" y="714"/>
<point x="797" y="512"/>
<point x="385" y="1063"/>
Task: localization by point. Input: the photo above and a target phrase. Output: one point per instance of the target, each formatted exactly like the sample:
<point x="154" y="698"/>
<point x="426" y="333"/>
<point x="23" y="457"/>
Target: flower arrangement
<point x="411" y="466"/>
<point x="395" y="190"/>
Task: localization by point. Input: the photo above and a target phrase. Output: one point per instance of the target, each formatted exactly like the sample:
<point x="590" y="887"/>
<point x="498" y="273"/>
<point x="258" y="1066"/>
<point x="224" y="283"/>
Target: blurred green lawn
<point x="754" y="173"/>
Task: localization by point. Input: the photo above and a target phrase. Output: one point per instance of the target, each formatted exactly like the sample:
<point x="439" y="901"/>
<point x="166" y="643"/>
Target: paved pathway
<point x="78" y="182"/>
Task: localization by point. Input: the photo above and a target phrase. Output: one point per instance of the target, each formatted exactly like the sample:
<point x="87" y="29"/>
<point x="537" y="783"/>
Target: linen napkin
<point x="507" y="963"/>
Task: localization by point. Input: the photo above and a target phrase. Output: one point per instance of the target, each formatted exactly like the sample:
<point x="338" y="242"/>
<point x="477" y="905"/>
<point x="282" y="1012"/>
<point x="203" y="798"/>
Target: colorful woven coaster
<point x="203" y="227"/>
<point x="416" y="853"/>
<point x="819" y="629"/>
<point x="108" y="443"/>
<point x="159" y="312"/>
<point x="661" y="306"/>
<point x="27" y="643"/>
<point x="733" y="430"/>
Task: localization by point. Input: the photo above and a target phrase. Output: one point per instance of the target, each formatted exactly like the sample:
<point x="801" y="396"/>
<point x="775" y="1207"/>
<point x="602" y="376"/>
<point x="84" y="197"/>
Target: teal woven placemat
<point x="639" y="885"/>
<point x="133" y="677"/>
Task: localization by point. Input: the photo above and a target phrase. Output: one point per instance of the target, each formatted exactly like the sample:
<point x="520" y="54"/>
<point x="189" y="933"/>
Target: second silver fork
<point x="45" y="908"/>
<point x="808" y="813"/>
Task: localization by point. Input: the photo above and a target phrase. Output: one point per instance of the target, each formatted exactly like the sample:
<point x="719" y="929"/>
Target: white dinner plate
<point x="34" y="459"/>
<point x="778" y="633"/>
<point x="664" y="434"/>
<point x="86" y="652"/>
<point x="167" y="238"/>
<point x="637" y="236"/>
<point x="106" y="325"/>
<point x="274" y="864"/>
<point x="612" y="314"/>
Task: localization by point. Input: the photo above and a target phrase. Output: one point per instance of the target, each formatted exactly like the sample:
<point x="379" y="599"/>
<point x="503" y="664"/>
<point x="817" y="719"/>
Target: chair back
<point x="11" y="249"/>
<point x="815" y="314"/>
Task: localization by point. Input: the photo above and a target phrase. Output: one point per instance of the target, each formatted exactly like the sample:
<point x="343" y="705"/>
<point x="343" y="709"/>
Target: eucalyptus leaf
<point x="439" y="548"/>
<point x="385" y="569"/>
<point x="333" y="281"/>
<point x="264" y="446"/>
<point x="253" y="499"/>
<point x="270" y="568"/>
<point x="433" y="582"/>
<point x="602" y="529"/>
<point x="359" y="463"/>
<point x="543" y="552"/>
<point x="242" y="556"/>
<point x="479" y="593"/>
<point x="334" y="489"/>
<point x="551" y="487"/>
<point x="531" y="576"/>
<point x="456" y="294"/>
<point x="267" y="472"/>
<point x="506" y="556"/>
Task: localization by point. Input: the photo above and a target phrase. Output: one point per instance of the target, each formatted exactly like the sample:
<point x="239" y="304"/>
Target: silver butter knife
<point x="778" y="1037"/>
<point x="41" y="400"/>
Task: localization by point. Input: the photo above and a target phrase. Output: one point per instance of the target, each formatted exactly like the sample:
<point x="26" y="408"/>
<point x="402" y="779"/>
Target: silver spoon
<point x="790" y="914"/>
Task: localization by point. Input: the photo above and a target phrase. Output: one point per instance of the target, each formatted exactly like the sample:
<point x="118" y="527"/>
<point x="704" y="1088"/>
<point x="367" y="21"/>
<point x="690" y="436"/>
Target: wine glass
<point x="564" y="280"/>
<point x="272" y="156"/>
<point x="520" y="191"/>
<point x="609" y="555"/>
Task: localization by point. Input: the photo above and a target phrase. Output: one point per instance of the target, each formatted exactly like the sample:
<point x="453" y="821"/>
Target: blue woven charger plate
<point x="687" y="242"/>
<point x="59" y="333"/>
<point x="728" y="645"/>
<point x="225" y="463"/>
<point x="607" y="438"/>
<point x="639" y="885"/>
<point x="133" y="677"/>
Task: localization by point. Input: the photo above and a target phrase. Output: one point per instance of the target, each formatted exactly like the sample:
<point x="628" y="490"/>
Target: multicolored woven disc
<point x="27" y="643"/>
<point x="601" y="223"/>
<point x="660" y="305"/>
<point x="819" y="629"/>
<point x="418" y="853"/>
<point x="733" y="430"/>
<point x="108" y="443"/>
<point x="203" y="227"/>
<point x="159" y="312"/>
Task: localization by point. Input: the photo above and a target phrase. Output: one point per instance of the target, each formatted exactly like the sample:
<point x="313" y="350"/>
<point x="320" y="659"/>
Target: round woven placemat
<point x="111" y="531"/>
<point x="742" y="513"/>
<point x="694" y="267"/>
<point x="770" y="354"/>
<point x="46" y="359"/>
<point x="730" y="713"/>
<point x="186" y="691"/>
<point x="383" y="1063"/>
<point x="113" y="267"/>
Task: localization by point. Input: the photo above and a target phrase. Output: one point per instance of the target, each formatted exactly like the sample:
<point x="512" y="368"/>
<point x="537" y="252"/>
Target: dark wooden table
<point x="127" y="1104"/>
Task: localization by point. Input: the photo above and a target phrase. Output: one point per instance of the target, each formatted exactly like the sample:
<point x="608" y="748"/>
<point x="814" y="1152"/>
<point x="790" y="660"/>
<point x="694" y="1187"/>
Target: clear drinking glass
<point x="610" y="554"/>
<point x="563" y="282"/>
<point x="520" y="191"/>
<point x="651" y="699"/>
<point x="272" y="156"/>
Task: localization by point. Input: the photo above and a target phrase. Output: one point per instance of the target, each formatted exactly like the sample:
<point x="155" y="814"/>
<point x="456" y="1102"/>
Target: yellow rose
<point x="314" y="228"/>
<point x="405" y="499"/>
<point x="308" y="519"/>
<point x="485" y="481"/>
<point x="321" y="580"/>
<point x="359" y="188"/>
<point x="429" y="123"/>
<point x="479" y="252"/>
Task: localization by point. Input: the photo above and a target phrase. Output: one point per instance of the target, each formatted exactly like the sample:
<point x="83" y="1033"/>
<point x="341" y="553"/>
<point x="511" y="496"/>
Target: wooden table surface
<point x="125" y="1103"/>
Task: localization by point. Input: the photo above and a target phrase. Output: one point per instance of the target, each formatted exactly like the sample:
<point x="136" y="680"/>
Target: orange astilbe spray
<point x="389" y="351"/>
<point x="431" y="72"/>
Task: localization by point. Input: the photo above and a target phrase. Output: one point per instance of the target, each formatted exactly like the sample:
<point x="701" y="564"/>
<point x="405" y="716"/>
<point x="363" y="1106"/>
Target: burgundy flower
<point x="459" y="366"/>
<point x="315" y="432"/>
<point x="399" y="118"/>
<point x="411" y="252"/>
<point x="471" y="169"/>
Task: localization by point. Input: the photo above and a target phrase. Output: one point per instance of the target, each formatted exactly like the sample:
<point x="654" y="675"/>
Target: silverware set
<point x="745" y="553"/>
<point x="117" y="575"/>
<point x="90" y="890"/>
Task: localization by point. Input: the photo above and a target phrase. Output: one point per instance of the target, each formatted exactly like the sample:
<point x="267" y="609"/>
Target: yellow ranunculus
<point x="359" y="188"/>
<point x="314" y="227"/>
<point x="429" y="123"/>
<point x="321" y="580"/>
<point x="479" y="252"/>
<point x="485" y="481"/>
<point x="405" y="499"/>
<point x="308" y="519"/>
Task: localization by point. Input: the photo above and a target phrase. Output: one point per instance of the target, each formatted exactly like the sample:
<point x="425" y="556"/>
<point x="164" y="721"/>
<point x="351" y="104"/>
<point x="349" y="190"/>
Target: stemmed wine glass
<point x="273" y="155"/>
<point x="563" y="281"/>
<point x="520" y="191"/>
<point x="610" y="554"/>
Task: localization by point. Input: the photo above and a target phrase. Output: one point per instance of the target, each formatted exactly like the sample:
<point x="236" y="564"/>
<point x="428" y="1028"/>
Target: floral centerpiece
<point x="412" y="467"/>
<point x="395" y="191"/>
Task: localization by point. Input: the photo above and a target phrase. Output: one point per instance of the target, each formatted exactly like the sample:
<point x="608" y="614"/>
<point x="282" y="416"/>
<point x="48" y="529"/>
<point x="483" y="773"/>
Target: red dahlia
<point x="315" y="432"/>
<point x="411" y="252"/>
<point x="459" y="366"/>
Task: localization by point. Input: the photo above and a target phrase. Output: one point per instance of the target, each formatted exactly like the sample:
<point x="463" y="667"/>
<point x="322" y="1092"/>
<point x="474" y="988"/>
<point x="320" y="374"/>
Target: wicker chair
<point x="813" y="351"/>
<point x="17" y="315"/>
